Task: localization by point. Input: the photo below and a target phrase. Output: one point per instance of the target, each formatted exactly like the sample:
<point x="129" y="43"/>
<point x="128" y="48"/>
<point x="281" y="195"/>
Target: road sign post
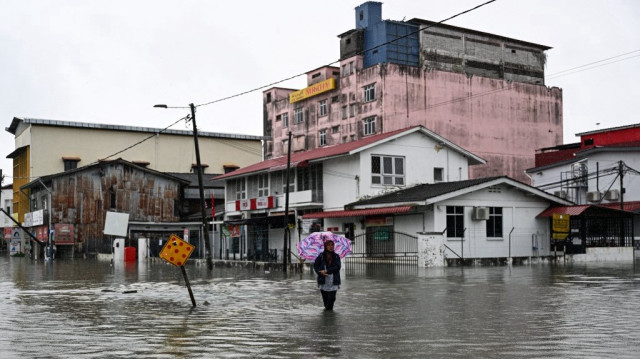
<point x="177" y="252"/>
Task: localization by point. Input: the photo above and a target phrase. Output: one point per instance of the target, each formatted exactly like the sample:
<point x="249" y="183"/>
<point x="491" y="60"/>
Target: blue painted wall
<point x="404" y="51"/>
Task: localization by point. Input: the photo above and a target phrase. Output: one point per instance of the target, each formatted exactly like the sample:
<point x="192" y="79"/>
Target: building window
<point x="292" y="181"/>
<point x="268" y="97"/>
<point x="352" y="110"/>
<point x="455" y="222"/>
<point x="323" y="108"/>
<point x="335" y="99"/>
<point x="70" y="163"/>
<point x="285" y="119"/>
<point x="494" y="223"/>
<point x="438" y="174"/>
<point x="241" y="189"/>
<point x="344" y="70"/>
<point x="315" y="76"/>
<point x="278" y="118"/>
<point x="322" y="138"/>
<point x="351" y="67"/>
<point x="263" y="185"/>
<point x="387" y="170"/>
<point x="369" y="93"/>
<point x="344" y="112"/>
<point x="335" y="129"/>
<point x="297" y="115"/>
<point x="285" y="146"/>
<point x="370" y="125"/>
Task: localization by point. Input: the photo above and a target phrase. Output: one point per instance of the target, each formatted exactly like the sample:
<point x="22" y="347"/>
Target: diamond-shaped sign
<point x="176" y="251"/>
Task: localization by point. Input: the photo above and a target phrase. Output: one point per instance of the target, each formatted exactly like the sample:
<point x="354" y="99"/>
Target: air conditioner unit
<point x="613" y="195"/>
<point x="480" y="214"/>
<point x="561" y="194"/>
<point x="594" y="196"/>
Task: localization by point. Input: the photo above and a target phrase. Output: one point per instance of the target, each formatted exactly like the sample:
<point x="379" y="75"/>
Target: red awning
<point x="358" y="212"/>
<point x="570" y="210"/>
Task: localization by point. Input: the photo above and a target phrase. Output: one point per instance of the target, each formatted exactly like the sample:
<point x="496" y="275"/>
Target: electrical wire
<point x="337" y="61"/>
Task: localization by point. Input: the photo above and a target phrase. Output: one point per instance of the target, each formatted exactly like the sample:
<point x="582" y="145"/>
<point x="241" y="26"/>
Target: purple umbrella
<point x="311" y="246"/>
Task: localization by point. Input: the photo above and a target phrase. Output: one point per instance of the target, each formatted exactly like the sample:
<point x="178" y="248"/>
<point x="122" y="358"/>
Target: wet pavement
<point x="87" y="308"/>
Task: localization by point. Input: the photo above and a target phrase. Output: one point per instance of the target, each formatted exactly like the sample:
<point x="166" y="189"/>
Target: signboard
<point x="234" y="231"/>
<point x="313" y="90"/>
<point x="7" y="233"/>
<point x="116" y="224"/>
<point x="176" y="251"/>
<point x="560" y="226"/>
<point x="42" y="233"/>
<point x="64" y="233"/>
<point x="255" y="203"/>
<point x="37" y="218"/>
<point x="560" y="223"/>
<point x="379" y="221"/>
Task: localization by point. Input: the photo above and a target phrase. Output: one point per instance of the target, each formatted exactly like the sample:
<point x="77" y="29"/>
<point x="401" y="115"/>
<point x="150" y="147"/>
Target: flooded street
<point x="91" y="309"/>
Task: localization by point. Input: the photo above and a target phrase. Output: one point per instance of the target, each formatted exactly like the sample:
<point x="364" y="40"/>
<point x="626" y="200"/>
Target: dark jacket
<point x="320" y="264"/>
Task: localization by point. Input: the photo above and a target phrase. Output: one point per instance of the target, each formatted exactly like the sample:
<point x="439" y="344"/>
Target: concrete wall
<point x="501" y="121"/>
<point x="530" y="235"/>
<point x="165" y="153"/>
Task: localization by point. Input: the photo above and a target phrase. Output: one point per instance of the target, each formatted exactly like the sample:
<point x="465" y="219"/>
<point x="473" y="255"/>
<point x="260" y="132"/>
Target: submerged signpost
<point x="177" y="252"/>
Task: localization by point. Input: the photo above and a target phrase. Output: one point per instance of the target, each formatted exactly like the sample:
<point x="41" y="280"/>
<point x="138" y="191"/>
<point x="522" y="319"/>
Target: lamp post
<point x="205" y="226"/>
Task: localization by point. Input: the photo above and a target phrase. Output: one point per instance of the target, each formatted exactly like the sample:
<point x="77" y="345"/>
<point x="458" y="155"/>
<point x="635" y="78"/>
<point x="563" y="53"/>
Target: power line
<point x="337" y="61"/>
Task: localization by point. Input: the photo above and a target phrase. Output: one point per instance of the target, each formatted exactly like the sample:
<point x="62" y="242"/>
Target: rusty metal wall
<point x="83" y="198"/>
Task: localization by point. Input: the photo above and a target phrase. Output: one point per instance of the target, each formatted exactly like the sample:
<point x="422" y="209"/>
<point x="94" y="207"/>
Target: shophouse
<point x="602" y="170"/>
<point x="484" y="92"/>
<point x="324" y="179"/>
<point x="6" y="201"/>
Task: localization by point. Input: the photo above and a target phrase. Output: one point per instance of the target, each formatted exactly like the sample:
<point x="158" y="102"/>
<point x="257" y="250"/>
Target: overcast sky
<point x="110" y="61"/>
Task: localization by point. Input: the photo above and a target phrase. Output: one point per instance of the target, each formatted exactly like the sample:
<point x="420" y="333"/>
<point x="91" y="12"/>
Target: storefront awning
<point x="359" y="212"/>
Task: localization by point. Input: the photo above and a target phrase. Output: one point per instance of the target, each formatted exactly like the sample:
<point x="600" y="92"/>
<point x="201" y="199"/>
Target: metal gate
<point x="381" y="245"/>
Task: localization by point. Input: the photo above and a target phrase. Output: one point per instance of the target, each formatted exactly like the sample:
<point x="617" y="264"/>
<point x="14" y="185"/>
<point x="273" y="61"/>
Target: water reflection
<point x="93" y="309"/>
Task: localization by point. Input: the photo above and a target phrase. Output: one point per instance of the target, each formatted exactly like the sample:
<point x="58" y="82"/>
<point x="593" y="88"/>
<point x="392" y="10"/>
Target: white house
<point x="327" y="178"/>
<point x="494" y="217"/>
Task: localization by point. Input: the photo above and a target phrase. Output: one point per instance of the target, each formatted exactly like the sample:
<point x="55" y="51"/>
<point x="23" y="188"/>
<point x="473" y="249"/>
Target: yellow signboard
<point x="176" y="251"/>
<point x="560" y="223"/>
<point x="560" y="236"/>
<point x="316" y="89"/>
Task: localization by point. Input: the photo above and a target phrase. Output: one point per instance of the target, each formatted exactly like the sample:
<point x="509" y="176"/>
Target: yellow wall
<point x="20" y="178"/>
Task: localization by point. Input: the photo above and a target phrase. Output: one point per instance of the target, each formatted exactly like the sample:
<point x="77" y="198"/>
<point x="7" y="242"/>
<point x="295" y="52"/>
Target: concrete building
<point x="323" y="180"/>
<point x="484" y="92"/>
<point x="45" y="147"/>
<point x="603" y="169"/>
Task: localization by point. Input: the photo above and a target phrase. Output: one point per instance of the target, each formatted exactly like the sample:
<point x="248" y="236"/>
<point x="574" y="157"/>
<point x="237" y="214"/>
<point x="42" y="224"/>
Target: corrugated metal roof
<point x="359" y="212"/>
<point x="570" y="210"/>
<point x="101" y="126"/>
<point x="608" y="210"/>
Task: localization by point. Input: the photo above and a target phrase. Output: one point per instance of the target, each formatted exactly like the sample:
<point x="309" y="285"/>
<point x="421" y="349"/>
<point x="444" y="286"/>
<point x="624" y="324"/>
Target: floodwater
<point x="91" y="309"/>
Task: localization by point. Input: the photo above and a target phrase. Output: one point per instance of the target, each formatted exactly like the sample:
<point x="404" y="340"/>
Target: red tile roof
<point x="299" y="159"/>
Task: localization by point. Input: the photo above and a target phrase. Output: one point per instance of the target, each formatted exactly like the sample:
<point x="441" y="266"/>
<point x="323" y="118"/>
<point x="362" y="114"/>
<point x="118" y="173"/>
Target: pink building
<point x="483" y="92"/>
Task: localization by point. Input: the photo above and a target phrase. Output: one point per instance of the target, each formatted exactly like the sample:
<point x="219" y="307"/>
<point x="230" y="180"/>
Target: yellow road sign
<point x="176" y="251"/>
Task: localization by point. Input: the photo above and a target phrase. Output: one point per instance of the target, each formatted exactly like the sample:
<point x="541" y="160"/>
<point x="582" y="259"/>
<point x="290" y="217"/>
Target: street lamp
<point x="205" y="226"/>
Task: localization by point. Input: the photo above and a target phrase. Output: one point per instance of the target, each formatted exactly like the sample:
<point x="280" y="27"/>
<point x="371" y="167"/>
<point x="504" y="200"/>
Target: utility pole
<point x="285" y="254"/>
<point x="205" y="225"/>
<point x="621" y="174"/>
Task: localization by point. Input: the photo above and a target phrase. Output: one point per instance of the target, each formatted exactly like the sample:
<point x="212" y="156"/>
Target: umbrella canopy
<point x="312" y="245"/>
